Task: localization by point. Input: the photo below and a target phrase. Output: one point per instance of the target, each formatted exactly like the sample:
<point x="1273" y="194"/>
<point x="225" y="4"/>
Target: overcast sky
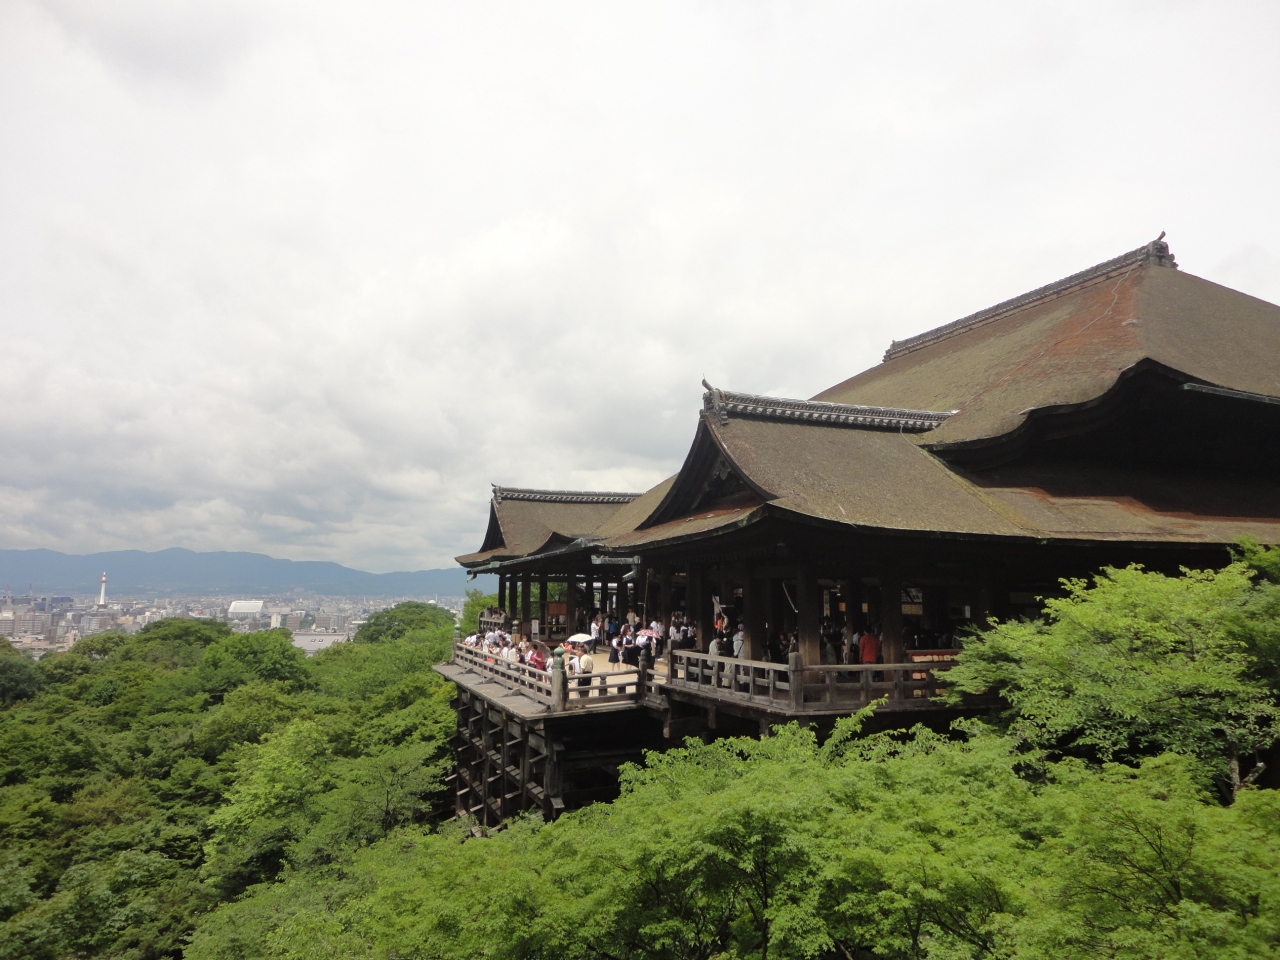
<point x="304" y="277"/>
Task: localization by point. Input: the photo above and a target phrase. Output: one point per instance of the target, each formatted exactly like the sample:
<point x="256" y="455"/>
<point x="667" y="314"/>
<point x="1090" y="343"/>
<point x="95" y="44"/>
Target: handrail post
<point x="644" y="670"/>
<point x="559" y="690"/>
<point x="795" y="680"/>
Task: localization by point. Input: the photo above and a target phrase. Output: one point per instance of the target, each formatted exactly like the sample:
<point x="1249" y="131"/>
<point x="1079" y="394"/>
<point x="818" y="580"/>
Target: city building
<point x="96" y="622"/>
<point x="246" y="610"/>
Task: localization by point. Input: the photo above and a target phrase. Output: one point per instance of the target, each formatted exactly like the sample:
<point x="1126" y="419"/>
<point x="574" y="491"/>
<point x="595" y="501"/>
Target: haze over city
<point x="304" y="278"/>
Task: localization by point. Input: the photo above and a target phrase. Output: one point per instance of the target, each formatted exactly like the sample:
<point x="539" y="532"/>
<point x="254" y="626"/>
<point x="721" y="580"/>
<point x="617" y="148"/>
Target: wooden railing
<point x="797" y="688"/>
<point x="555" y="687"/>
<point x="792" y="687"/>
<point x="525" y="679"/>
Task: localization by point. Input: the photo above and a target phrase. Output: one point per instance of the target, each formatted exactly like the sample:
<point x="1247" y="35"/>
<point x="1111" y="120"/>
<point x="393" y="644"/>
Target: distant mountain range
<point x="178" y="571"/>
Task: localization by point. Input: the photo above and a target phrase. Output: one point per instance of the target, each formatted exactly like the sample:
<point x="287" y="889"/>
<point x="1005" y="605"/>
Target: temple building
<point x="1128" y="413"/>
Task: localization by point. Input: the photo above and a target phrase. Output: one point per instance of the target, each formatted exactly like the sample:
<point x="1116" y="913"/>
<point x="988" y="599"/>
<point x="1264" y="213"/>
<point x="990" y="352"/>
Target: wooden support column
<point x="622" y="603"/>
<point x="526" y="602"/>
<point x="753" y="599"/>
<point x="542" y="602"/>
<point x="809" y="601"/>
<point x="699" y="604"/>
<point x="892" y="648"/>
<point x="642" y="595"/>
<point x="571" y="603"/>
<point x="664" y="597"/>
<point x="850" y="596"/>
<point x="513" y="605"/>
<point x="773" y="625"/>
<point x="502" y="591"/>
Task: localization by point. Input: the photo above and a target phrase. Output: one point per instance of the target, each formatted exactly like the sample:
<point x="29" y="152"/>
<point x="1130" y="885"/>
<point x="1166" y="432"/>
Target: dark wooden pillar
<point x="809" y="615"/>
<point x="622" y="602"/>
<point x="891" y="618"/>
<point x="542" y="602"/>
<point x="850" y="597"/>
<point x="571" y="602"/>
<point x="699" y="604"/>
<point x="753" y="599"/>
<point x="772" y="612"/>
<point x="502" y="591"/>
<point x="526" y="602"/>
<point x="642" y="595"/>
<point x="664" y="597"/>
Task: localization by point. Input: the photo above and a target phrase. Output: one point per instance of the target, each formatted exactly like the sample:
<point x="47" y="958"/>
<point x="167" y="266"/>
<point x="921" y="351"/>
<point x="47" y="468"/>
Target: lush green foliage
<point x="471" y="610"/>
<point x="1134" y="664"/>
<point x="19" y="676"/>
<point x="403" y="618"/>
<point x="144" y="779"/>
<point x="914" y="846"/>
<point x="283" y="806"/>
<point x="1082" y="824"/>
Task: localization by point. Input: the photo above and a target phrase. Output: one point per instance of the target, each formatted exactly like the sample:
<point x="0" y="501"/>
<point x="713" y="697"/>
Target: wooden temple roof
<point x="1128" y="402"/>
<point x="524" y="522"/>
<point x="1069" y="342"/>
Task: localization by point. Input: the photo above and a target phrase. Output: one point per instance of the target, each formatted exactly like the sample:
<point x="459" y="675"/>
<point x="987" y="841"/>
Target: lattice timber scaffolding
<point x="509" y="762"/>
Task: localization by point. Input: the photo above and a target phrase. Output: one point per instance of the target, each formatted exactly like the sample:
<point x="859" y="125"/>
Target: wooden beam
<point x="891" y="646"/>
<point x="809" y="614"/>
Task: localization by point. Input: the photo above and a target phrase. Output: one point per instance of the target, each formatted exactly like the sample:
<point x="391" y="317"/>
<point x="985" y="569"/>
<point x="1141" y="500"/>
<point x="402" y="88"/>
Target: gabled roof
<point x="885" y="481"/>
<point x="1069" y="412"/>
<point x="523" y="522"/>
<point x="724" y="404"/>
<point x="1068" y="343"/>
<point x="1129" y="344"/>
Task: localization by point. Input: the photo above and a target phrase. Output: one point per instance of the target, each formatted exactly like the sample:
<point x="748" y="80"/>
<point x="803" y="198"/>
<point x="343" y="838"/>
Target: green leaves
<point x="20" y="678"/>
<point x="477" y="601"/>
<point x="1132" y="665"/>
<point x="267" y="655"/>
<point x="136" y="755"/>
<point x="393" y="624"/>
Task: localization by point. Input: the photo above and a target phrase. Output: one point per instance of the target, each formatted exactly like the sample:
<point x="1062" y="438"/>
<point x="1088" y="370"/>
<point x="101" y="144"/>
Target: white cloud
<point x="306" y="277"/>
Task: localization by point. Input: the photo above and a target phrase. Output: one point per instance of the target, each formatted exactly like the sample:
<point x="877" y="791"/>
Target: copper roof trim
<point x="723" y="404"/>
<point x="561" y="496"/>
<point x="1157" y="252"/>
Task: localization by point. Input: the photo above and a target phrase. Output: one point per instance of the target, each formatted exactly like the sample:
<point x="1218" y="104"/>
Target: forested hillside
<point x="147" y="779"/>
<point x="188" y="792"/>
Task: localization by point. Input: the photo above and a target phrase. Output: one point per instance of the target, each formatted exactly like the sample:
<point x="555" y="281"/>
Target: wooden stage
<point x="540" y="739"/>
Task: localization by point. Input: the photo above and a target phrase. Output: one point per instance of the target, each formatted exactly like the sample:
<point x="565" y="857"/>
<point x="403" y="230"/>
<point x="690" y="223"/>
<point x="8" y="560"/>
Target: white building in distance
<point x="246" y="610"/>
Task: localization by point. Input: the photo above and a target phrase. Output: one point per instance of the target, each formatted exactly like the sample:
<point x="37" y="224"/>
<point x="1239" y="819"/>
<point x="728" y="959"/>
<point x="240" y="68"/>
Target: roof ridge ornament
<point x="1156" y="252"/>
<point x="561" y="496"/>
<point x="722" y="403"/>
<point x="716" y="398"/>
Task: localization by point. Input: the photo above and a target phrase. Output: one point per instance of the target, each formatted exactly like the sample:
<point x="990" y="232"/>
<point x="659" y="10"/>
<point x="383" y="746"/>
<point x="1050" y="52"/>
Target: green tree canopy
<point x="394" y="623"/>
<point x="1131" y="665"/>
<point x="477" y="603"/>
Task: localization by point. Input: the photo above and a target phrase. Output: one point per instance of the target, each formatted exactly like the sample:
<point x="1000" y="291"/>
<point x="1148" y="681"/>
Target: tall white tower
<point x="102" y="594"/>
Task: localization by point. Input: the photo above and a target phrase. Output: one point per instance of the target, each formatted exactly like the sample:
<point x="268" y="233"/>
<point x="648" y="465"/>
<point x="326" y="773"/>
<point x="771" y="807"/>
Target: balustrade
<point x="794" y="687"/>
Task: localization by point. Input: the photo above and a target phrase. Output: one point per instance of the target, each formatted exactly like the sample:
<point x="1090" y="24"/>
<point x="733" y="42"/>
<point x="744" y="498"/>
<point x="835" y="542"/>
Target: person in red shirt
<point x="868" y="647"/>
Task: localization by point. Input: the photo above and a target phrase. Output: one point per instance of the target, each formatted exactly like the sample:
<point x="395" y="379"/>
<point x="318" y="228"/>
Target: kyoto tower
<point x="102" y="594"/>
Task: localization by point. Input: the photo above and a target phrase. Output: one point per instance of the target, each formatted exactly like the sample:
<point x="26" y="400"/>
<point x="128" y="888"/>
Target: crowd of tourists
<point x="626" y="640"/>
